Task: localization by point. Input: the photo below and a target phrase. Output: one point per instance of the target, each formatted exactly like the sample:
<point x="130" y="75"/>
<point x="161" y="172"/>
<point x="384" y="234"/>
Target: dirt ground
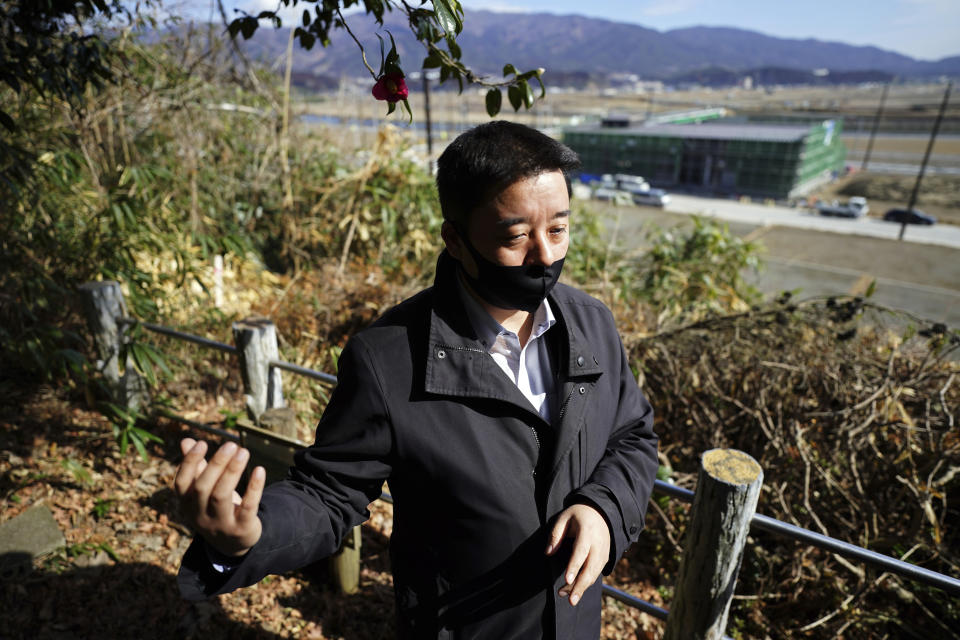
<point x="857" y="103"/>
<point x="116" y="577"/>
<point x="939" y="195"/>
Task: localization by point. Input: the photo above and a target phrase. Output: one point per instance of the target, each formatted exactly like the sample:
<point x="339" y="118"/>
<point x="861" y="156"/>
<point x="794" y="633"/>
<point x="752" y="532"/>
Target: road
<point x="823" y="256"/>
<point x="764" y="215"/>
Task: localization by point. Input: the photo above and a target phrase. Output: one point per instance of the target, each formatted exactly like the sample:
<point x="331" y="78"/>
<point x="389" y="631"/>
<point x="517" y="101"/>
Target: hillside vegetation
<point x="853" y="417"/>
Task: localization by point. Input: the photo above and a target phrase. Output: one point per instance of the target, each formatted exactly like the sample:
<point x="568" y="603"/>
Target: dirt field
<point x="919" y="102"/>
<point x="939" y="195"/>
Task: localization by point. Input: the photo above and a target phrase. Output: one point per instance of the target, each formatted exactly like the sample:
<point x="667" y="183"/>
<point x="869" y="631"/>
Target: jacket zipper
<point x="474" y="349"/>
<point x="535" y="436"/>
<point x="563" y="407"/>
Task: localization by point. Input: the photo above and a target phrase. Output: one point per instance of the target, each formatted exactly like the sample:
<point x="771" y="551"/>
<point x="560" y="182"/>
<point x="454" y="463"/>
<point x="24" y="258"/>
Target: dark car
<point x="911" y="216"/>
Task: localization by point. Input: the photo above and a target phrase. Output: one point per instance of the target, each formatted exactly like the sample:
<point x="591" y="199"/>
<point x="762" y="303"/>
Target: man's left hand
<point x="591" y="548"/>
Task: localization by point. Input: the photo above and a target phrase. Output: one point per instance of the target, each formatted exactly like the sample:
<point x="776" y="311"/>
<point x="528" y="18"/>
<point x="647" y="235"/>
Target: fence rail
<point x="834" y="545"/>
<point x="756" y="521"/>
<point x="180" y="335"/>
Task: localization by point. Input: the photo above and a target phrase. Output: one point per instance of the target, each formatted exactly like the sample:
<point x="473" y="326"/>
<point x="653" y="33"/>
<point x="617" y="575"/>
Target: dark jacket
<point x="476" y="474"/>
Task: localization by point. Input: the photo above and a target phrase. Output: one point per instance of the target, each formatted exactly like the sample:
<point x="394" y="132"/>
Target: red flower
<point x="391" y="87"/>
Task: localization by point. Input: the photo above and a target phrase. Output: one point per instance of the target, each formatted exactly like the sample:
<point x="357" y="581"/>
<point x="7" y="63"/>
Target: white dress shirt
<point x="528" y="367"/>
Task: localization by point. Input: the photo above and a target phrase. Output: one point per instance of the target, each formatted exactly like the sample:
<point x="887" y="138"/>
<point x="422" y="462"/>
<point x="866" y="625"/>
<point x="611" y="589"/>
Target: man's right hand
<point x="210" y="502"/>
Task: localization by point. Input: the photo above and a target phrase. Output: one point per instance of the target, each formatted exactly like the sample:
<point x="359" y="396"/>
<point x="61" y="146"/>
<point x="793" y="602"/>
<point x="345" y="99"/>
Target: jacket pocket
<point x="583" y="454"/>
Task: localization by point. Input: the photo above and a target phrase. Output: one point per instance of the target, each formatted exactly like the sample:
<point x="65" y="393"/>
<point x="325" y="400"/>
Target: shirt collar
<point x="487" y="329"/>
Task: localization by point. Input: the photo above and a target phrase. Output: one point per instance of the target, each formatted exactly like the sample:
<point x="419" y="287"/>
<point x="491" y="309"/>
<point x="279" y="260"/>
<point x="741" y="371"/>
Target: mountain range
<point x="577" y="46"/>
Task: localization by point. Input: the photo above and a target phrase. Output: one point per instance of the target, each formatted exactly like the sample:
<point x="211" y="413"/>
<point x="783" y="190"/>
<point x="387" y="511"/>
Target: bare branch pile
<point x="854" y="419"/>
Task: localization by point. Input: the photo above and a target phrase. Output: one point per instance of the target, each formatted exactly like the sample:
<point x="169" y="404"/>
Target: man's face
<point x="527" y="223"/>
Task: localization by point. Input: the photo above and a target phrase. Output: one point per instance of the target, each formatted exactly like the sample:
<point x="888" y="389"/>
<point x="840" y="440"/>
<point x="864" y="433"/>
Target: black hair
<point x="483" y="161"/>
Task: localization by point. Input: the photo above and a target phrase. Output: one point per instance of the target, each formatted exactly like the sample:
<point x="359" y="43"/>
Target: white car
<point x="652" y="198"/>
<point x="615" y="196"/>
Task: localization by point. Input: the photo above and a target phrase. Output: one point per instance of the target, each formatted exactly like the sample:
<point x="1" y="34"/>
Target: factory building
<point x="716" y="155"/>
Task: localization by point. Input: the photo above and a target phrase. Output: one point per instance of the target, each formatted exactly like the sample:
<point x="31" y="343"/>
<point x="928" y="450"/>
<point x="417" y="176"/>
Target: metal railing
<point x="778" y="527"/>
<point x="760" y="522"/>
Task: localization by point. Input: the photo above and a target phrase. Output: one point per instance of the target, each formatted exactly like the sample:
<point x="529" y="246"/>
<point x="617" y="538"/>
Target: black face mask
<point x="522" y="287"/>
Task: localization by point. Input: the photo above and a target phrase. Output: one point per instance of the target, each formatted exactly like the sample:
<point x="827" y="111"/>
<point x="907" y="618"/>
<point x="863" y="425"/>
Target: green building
<point x="719" y="156"/>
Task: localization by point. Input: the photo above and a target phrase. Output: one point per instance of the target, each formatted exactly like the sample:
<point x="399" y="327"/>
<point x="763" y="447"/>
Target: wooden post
<point x="280" y="420"/>
<point x="104" y="306"/>
<point x="256" y="340"/>
<point x="727" y="491"/>
<point x="345" y="564"/>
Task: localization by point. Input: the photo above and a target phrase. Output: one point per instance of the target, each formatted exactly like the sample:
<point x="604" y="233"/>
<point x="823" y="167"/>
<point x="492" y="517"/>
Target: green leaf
<point x="307" y="39"/>
<point x="248" y="26"/>
<point x="515" y="96"/>
<point x="138" y="445"/>
<point x="871" y="289"/>
<point x="157" y="358"/>
<point x="543" y="89"/>
<point x="335" y="352"/>
<point x="142" y="363"/>
<point x="422" y="25"/>
<point x="74" y="359"/>
<point x="391" y="107"/>
<point x="453" y="47"/>
<point x="145" y="435"/>
<point x="306" y="18"/>
<point x="494" y="100"/>
<point x="432" y="61"/>
<point x="446" y="16"/>
<point x="527" y="92"/>
<point x="406" y="106"/>
<point x="392" y="64"/>
<point x="509" y="69"/>
<point x="102" y="507"/>
<point x="104" y="546"/>
<point x="382" y="58"/>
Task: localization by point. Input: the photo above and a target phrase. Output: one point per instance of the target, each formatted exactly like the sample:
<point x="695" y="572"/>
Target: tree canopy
<point x="47" y="46"/>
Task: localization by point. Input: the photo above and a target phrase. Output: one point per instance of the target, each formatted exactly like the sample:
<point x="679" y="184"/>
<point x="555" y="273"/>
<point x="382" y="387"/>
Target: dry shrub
<point x="384" y="212"/>
<point x="856" y="429"/>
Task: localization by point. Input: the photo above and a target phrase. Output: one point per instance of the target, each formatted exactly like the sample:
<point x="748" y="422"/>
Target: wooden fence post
<point x="256" y="340"/>
<point x="728" y="488"/>
<point x="103" y="306"/>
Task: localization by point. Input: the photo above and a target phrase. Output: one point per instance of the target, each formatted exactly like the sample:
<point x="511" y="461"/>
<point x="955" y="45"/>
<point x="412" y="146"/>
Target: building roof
<point x="708" y="131"/>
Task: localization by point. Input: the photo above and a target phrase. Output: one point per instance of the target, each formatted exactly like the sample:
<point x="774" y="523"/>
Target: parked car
<point x="630" y="184"/>
<point x="608" y="194"/>
<point x="911" y="216"/>
<point x="855" y="207"/>
<point x="652" y="197"/>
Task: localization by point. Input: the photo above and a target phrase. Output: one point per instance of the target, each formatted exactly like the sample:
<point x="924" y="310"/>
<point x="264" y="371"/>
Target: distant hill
<point x="579" y="47"/>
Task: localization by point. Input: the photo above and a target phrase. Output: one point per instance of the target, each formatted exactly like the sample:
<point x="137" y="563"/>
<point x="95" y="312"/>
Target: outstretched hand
<point x="591" y="548"/>
<point x="209" y="499"/>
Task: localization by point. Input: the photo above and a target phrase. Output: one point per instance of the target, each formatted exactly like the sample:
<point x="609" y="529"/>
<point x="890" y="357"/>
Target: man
<point x="502" y="410"/>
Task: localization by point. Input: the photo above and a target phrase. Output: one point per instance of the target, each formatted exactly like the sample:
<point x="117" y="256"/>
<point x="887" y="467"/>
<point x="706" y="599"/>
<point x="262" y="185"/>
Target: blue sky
<point x="924" y="29"/>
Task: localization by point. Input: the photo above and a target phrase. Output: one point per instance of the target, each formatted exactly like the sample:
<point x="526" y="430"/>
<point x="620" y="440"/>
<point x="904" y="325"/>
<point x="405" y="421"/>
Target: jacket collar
<point x="456" y="362"/>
